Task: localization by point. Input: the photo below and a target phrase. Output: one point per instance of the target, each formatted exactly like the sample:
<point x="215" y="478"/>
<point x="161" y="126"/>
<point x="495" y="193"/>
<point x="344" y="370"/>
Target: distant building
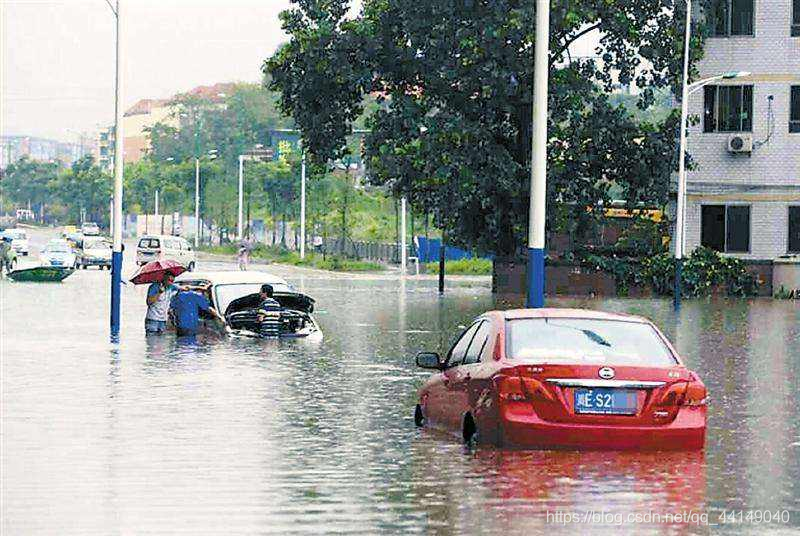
<point x="12" y="148"/>
<point x="144" y="114"/>
<point x="743" y="195"/>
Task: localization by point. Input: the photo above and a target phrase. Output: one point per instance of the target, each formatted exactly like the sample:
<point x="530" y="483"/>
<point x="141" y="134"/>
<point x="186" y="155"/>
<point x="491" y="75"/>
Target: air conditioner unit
<point x="740" y="143"/>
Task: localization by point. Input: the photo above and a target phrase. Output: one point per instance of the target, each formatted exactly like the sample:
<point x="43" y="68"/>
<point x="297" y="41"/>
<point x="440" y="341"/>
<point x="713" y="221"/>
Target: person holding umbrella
<point x="160" y="275"/>
<point x="159" y="297"/>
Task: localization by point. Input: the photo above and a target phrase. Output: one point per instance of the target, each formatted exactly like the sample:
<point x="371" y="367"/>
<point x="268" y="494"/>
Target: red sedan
<point x="564" y="378"/>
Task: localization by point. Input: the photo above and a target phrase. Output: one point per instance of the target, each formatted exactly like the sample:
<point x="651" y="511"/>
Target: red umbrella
<point x="153" y="272"/>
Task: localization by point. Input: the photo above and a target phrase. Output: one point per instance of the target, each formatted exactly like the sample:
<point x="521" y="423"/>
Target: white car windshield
<point x="227" y="293"/>
<point x="57" y="248"/>
<point x="586" y="342"/>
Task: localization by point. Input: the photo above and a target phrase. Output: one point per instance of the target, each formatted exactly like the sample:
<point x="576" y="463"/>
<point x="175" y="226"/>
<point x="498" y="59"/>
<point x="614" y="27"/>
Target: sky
<point x="57" y="71"/>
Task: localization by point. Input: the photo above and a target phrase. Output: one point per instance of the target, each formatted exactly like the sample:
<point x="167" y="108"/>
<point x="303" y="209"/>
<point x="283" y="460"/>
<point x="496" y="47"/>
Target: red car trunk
<point x="656" y="393"/>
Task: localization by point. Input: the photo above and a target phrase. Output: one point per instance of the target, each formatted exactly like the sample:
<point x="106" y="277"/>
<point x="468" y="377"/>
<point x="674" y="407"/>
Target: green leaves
<point x="452" y="131"/>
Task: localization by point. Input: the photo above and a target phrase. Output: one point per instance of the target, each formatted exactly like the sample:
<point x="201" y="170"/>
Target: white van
<point x="165" y="247"/>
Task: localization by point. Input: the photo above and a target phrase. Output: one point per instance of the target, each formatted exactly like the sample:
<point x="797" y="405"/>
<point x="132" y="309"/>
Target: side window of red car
<point x="478" y="343"/>
<point x="459" y="349"/>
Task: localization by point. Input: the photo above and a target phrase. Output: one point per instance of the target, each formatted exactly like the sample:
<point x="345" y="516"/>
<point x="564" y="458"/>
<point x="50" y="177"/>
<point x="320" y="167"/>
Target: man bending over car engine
<point x="269" y="313"/>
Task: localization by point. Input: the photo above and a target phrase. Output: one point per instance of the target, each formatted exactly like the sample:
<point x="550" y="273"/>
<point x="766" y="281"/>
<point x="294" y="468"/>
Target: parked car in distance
<point x="564" y="379"/>
<point x="90" y="228"/>
<point x="58" y="252"/>
<point x="68" y="230"/>
<point x="94" y="251"/>
<point x="165" y="247"/>
<point x="19" y="240"/>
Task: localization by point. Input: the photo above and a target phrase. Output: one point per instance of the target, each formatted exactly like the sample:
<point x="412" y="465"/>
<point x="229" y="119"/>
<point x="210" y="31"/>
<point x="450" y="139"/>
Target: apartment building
<point x="743" y="195"/>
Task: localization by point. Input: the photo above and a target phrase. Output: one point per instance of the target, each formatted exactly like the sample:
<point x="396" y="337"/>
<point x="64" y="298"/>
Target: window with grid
<point x="728" y="109"/>
<point x="725" y="228"/>
<point x="732" y="17"/>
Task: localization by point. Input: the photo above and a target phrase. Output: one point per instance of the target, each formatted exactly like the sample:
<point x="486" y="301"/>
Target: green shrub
<point x="704" y="271"/>
<point x="473" y="266"/>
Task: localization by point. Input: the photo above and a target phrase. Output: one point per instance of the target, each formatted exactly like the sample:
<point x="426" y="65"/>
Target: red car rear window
<point x="586" y="342"/>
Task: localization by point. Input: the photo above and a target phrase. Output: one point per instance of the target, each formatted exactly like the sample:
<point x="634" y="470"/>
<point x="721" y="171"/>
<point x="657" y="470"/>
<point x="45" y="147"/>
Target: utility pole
<point x="538" y="203"/>
<point x="681" y="164"/>
<point x="239" y="234"/>
<point x="116" y="256"/>
<point x="403" y="253"/>
<point x="303" y="205"/>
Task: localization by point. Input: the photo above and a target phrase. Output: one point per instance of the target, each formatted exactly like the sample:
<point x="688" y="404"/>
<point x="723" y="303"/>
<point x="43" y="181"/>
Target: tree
<point x="453" y="79"/>
<point x="28" y="181"/>
<point x="85" y="187"/>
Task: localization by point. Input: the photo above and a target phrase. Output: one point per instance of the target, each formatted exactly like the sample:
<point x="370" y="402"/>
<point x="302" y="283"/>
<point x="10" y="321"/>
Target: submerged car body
<point x="58" y="253"/>
<point x="564" y="379"/>
<point x="235" y="295"/>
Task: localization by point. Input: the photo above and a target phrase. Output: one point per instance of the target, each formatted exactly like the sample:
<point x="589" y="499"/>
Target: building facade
<point x="743" y="193"/>
<point x="12" y="148"/>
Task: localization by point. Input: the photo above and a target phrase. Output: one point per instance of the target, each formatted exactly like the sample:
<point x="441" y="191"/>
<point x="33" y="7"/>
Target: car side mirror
<point x="429" y="360"/>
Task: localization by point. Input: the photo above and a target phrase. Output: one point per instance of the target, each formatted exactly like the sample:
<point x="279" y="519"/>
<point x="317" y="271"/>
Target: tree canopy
<point x="453" y="82"/>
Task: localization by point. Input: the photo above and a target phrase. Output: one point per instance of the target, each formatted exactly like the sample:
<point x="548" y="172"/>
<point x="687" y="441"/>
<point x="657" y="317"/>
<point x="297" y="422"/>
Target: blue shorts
<point x="154" y="326"/>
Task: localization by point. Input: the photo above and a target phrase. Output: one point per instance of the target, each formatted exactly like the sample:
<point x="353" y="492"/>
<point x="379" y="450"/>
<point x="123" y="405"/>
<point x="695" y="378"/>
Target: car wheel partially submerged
<point x="419" y="418"/>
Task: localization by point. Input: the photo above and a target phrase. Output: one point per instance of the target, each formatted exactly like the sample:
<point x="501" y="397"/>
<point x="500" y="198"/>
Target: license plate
<point x="605" y="401"/>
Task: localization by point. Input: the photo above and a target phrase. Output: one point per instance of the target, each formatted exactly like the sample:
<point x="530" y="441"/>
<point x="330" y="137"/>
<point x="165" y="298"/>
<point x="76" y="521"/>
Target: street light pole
<point x="196" y="202"/>
<point x="239" y="233"/>
<point x="116" y="256"/>
<point x="403" y="253"/>
<point x="679" y="219"/>
<point x="536" y="222"/>
<point x="303" y="205"/>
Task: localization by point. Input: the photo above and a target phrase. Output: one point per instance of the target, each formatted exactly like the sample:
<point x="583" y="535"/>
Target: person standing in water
<point x="159" y="296"/>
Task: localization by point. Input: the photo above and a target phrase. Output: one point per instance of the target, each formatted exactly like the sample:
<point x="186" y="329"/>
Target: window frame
<point x="794" y="114"/>
<point x="789" y="209"/>
<point x="726" y="206"/>
<point x="716" y="118"/>
<point x="447" y="363"/>
<point x="483" y="324"/>
<point x="729" y="21"/>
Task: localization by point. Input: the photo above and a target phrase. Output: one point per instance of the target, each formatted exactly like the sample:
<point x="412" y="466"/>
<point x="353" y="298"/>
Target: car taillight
<point x="674" y="395"/>
<point x="535" y="390"/>
<point x="696" y="394"/>
<point x="510" y="389"/>
<point x="497" y="354"/>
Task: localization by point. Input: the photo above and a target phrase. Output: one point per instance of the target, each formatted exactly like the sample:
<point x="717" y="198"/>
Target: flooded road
<point x="246" y="437"/>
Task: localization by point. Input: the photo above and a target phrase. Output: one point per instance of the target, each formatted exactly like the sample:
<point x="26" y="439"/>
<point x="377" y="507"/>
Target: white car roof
<point x="228" y="277"/>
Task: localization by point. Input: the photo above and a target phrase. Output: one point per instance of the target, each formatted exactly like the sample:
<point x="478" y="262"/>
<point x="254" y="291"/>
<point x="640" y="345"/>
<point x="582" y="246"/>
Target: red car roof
<point x="559" y="312"/>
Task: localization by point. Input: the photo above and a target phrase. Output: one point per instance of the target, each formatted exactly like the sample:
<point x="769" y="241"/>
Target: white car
<point x="19" y="240"/>
<point x="235" y="295"/>
<point x="165" y="247"/>
<point x="58" y="253"/>
<point x="90" y="228"/>
<point x="94" y="251"/>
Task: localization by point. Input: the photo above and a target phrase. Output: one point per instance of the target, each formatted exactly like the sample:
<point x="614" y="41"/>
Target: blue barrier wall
<point x="428" y="250"/>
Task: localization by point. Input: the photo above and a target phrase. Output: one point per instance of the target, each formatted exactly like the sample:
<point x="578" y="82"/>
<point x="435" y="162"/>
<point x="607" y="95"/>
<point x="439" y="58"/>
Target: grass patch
<point x="473" y="266"/>
<point x="312" y="260"/>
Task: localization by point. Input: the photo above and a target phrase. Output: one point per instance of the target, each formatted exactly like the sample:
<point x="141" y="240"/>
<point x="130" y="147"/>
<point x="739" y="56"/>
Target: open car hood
<point x="288" y="300"/>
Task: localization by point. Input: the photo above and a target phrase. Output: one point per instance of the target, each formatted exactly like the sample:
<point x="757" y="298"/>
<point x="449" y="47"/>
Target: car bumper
<point x="96" y="262"/>
<point x="686" y="432"/>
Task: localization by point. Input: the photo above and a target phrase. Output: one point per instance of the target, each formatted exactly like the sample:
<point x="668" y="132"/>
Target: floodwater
<point x="153" y="436"/>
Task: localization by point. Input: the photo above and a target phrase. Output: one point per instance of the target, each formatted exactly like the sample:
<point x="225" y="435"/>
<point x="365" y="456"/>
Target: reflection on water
<point x="162" y="435"/>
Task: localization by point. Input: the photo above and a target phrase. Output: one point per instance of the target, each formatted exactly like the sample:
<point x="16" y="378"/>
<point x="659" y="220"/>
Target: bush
<point x="312" y="260"/>
<point x="704" y="272"/>
<point x="473" y="266"/>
